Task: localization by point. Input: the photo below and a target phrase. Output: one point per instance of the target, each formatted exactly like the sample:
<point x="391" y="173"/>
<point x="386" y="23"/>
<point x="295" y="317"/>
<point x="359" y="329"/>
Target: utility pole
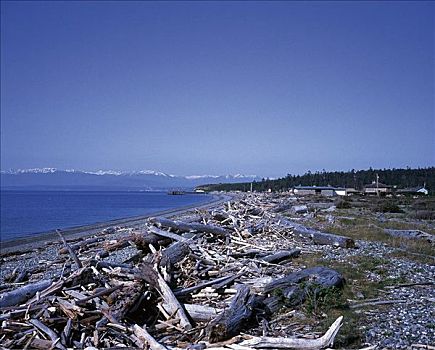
<point x="377" y="184"/>
<point x="251" y="187"/>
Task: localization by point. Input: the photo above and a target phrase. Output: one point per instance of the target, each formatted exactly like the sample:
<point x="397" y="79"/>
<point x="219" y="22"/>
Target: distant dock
<point x="179" y="192"/>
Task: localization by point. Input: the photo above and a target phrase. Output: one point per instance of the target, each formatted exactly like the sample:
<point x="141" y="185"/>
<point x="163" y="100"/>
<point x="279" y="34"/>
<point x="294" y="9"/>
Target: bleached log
<point x="318" y="237"/>
<point x="202" y="285"/>
<point x="70" y="250"/>
<point x="171" y="303"/>
<point x="409" y="234"/>
<point x="23" y="294"/>
<point x="296" y="343"/>
<point x="167" y="234"/>
<point x="236" y="316"/>
<point x="146" y="338"/>
<point x="380" y="302"/>
<point x="202" y="313"/>
<point x="188" y="227"/>
<point x="281" y="256"/>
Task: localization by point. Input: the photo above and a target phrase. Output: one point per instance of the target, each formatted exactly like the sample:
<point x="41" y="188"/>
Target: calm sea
<point x="24" y="213"/>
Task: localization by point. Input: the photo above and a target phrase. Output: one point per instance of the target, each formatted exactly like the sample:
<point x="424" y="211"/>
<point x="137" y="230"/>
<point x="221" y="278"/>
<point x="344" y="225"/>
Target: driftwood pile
<point x="197" y="283"/>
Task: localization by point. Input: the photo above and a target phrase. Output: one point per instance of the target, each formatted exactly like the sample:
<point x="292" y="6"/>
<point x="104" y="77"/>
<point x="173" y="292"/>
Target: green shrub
<point x="389" y="207"/>
<point x="341" y="203"/>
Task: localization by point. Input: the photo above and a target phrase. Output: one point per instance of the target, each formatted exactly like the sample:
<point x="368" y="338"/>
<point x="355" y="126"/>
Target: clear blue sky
<point x="267" y="88"/>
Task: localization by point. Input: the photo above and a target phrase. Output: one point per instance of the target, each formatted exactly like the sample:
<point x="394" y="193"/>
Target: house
<point x="327" y="191"/>
<point x="377" y="188"/>
<point x="412" y="191"/>
<point x="352" y="191"/>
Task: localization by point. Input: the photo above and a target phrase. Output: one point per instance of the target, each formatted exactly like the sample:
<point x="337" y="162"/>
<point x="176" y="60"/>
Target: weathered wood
<point x="238" y="315"/>
<point x="174" y="253"/>
<point x="319" y="275"/>
<point x="21" y="295"/>
<point x="146" y="338"/>
<point x="167" y="234"/>
<point x="202" y="313"/>
<point x="188" y="227"/>
<point x="184" y="291"/>
<point x="171" y="303"/>
<point x="290" y="287"/>
<point x="379" y="302"/>
<point x="143" y="239"/>
<point x="48" y="331"/>
<point x="410" y="234"/>
<point x="281" y="256"/>
<point x="79" y="245"/>
<point x="295" y="343"/>
<point x="70" y="250"/>
<point x="319" y="237"/>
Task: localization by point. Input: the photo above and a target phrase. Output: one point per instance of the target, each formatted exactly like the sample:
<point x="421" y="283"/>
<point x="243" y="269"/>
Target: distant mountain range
<point x="146" y="180"/>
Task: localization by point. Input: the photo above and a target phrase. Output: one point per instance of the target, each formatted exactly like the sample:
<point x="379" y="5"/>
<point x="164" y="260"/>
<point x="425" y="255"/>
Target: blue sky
<point x="267" y="88"/>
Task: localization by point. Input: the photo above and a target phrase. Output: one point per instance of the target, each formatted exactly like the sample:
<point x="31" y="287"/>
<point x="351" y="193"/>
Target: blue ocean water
<point x="24" y="213"/>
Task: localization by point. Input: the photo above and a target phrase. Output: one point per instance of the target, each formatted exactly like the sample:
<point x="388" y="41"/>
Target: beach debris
<point x="196" y="282"/>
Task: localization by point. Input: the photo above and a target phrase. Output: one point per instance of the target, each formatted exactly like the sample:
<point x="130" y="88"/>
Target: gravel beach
<point x="390" y="295"/>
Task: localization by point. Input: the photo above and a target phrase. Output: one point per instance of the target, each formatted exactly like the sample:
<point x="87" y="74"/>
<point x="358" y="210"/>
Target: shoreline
<point x="24" y="244"/>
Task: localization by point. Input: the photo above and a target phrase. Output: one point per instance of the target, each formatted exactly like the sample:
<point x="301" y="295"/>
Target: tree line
<point x="400" y="178"/>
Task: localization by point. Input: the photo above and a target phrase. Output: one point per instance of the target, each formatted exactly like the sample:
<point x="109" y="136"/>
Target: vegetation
<point x="402" y="178"/>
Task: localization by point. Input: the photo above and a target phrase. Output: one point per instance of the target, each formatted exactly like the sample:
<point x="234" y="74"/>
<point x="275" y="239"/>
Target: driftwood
<point x="52" y="334"/>
<point x="296" y="343"/>
<point x="174" y="253"/>
<point x="169" y="290"/>
<point x="238" y="314"/>
<point x="293" y="288"/>
<point x="147" y="339"/>
<point x="281" y="256"/>
<point x="82" y="244"/>
<point x="217" y="281"/>
<point x="201" y="313"/>
<point x="70" y="250"/>
<point x="188" y="227"/>
<point x="379" y="302"/>
<point x="167" y="234"/>
<point x="171" y="304"/>
<point x="318" y="237"/>
<point x="410" y="234"/>
<point x="319" y="275"/>
<point x="23" y="294"/>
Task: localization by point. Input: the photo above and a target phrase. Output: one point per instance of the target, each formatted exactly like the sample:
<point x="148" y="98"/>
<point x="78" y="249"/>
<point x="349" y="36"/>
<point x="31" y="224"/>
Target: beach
<point x="241" y="244"/>
<point x="32" y="242"/>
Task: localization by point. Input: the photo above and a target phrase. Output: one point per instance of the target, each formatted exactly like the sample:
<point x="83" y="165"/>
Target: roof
<point x="321" y="188"/>
<point x="411" y="189"/>
<point x="379" y="185"/>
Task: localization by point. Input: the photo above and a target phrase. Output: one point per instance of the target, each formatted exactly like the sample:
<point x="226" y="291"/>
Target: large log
<point x="202" y="313"/>
<point x="23" y="294"/>
<point x="282" y="255"/>
<point x="171" y="303"/>
<point x="235" y="317"/>
<point x="295" y="343"/>
<point x="147" y="339"/>
<point x="318" y="237"/>
<point x="323" y="276"/>
<point x="188" y="227"/>
<point x="295" y="286"/>
<point x="174" y="253"/>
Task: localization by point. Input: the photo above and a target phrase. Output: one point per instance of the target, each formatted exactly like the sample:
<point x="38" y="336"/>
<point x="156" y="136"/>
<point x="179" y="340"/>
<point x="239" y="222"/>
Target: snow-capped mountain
<point x="52" y="178"/>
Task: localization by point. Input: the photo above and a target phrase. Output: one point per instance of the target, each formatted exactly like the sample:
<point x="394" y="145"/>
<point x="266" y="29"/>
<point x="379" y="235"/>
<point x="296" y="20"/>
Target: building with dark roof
<point x="319" y="190"/>
<point x="377" y="188"/>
